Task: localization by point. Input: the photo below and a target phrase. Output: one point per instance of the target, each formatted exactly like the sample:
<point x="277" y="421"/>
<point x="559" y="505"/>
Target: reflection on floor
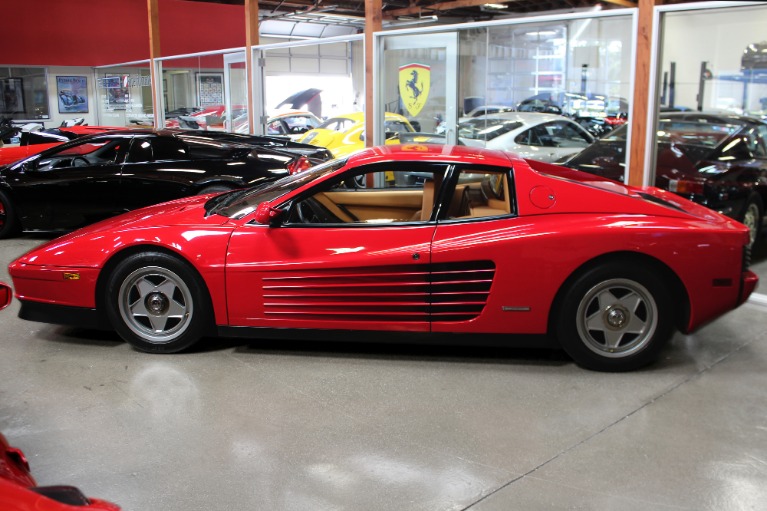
<point x="294" y="425"/>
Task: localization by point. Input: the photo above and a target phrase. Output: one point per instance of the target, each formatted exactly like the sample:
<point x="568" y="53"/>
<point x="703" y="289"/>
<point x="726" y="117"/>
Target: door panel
<point x="366" y="277"/>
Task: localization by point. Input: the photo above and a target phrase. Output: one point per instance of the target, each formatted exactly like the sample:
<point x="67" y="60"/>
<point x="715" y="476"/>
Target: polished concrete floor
<point x="299" y="426"/>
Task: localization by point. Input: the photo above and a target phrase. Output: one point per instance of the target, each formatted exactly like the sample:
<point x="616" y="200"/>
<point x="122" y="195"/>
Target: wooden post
<point x="251" y="39"/>
<point x="153" y="13"/>
<point x="641" y="103"/>
<point x="373" y="23"/>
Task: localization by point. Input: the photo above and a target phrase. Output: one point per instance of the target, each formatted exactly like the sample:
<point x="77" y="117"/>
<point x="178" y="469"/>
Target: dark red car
<point x="474" y="243"/>
<point x="719" y="161"/>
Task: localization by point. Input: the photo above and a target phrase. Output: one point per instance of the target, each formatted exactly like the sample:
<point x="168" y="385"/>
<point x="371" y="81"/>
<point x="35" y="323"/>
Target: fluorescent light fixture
<point x="495" y="6"/>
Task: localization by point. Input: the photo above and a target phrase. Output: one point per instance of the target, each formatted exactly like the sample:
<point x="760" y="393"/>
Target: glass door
<point x="235" y="94"/>
<point x="420" y="82"/>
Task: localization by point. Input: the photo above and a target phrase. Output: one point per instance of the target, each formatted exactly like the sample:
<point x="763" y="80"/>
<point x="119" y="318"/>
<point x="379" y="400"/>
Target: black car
<point x="719" y="161"/>
<point x="99" y="176"/>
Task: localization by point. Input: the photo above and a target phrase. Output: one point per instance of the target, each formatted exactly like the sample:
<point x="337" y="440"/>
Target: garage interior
<point x="294" y="424"/>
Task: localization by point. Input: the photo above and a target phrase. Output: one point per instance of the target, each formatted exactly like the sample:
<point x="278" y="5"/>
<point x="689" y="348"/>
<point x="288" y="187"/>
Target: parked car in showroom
<point x="543" y="137"/>
<point x="95" y="177"/>
<point x="718" y="160"/>
<point x="487" y="246"/>
<point x="345" y="134"/>
<point x="33" y="142"/>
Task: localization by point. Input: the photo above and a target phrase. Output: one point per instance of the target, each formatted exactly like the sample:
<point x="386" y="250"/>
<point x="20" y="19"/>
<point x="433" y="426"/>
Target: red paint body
<point x="17" y="487"/>
<point x="564" y="219"/>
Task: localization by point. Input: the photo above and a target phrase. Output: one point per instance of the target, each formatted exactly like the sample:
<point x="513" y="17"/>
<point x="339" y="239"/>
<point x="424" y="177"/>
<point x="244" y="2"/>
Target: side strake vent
<point x="442" y="292"/>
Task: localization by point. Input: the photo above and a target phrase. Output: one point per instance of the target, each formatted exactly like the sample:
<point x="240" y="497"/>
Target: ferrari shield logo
<point x="414" y="82"/>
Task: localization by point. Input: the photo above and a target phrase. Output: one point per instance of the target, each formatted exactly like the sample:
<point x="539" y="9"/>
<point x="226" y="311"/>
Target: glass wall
<point x="307" y="83"/>
<point x="575" y="69"/>
<point x="124" y="95"/>
<point x="194" y="92"/>
<point x="24" y="93"/>
<point x="711" y="138"/>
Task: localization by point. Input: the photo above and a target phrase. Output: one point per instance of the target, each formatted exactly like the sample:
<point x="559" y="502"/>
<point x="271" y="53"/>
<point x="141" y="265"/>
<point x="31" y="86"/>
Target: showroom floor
<point x="297" y="426"/>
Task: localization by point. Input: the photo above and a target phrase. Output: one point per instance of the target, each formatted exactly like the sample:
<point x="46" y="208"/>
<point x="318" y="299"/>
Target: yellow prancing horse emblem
<point x="414" y="82"/>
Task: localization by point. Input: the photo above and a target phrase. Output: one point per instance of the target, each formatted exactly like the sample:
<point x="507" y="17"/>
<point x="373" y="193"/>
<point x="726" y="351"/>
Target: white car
<point x="543" y="137"/>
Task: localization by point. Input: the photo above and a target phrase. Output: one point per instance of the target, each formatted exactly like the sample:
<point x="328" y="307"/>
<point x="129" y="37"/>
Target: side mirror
<point x="5" y="295"/>
<point x="266" y="214"/>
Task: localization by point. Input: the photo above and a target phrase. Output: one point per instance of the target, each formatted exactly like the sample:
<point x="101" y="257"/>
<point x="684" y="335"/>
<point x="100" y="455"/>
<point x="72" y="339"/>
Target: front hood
<point x="171" y="224"/>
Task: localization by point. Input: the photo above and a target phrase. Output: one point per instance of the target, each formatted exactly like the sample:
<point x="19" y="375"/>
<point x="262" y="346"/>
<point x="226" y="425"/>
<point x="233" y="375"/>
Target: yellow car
<point x="345" y="134"/>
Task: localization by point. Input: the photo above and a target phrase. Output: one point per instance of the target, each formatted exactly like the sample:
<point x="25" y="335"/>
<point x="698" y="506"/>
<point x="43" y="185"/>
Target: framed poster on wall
<point x="210" y="89"/>
<point x="72" y="92"/>
<point x="117" y="93"/>
<point x="12" y="96"/>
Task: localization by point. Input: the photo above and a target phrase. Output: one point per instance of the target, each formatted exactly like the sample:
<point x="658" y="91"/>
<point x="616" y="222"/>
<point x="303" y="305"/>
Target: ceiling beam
<point x="622" y="3"/>
<point x="441" y="6"/>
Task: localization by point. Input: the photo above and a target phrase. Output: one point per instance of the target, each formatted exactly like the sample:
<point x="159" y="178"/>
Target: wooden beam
<point x="153" y="13"/>
<point x="373" y="23"/>
<point x="440" y="6"/>
<point x="641" y="104"/>
<point x="622" y="3"/>
<point x="251" y="39"/>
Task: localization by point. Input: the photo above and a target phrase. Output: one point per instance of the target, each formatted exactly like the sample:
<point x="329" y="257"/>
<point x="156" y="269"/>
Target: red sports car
<point x="435" y="240"/>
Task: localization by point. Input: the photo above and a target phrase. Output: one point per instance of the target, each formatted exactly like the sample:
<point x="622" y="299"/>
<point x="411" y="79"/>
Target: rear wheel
<point x="752" y="218"/>
<point x="157" y="303"/>
<point x="615" y="318"/>
<point x="9" y="224"/>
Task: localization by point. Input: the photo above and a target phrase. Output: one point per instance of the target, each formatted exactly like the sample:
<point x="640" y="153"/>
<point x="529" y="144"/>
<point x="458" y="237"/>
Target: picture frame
<point x="117" y="94"/>
<point x="12" y="96"/>
<point x="210" y="89"/>
<point x="72" y="94"/>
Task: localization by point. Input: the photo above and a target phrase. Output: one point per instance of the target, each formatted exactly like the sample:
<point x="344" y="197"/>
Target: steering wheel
<point x="79" y="161"/>
<point x="306" y="213"/>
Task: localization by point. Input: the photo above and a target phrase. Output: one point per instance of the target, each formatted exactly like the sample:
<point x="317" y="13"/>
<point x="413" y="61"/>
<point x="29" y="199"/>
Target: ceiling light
<point x="495" y="6"/>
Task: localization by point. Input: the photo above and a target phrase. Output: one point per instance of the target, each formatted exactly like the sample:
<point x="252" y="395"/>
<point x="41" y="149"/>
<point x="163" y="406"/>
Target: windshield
<point x="486" y="129"/>
<point x="239" y="203"/>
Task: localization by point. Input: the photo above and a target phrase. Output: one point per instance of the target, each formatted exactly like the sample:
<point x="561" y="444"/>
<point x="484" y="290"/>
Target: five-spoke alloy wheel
<point x="157" y="303"/>
<point x="615" y="317"/>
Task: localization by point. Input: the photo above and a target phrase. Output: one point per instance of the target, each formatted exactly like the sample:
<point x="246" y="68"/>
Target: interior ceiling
<point x="352" y="12"/>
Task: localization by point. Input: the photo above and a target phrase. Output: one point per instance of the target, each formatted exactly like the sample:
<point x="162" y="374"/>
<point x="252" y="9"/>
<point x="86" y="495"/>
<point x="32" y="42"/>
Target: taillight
<point x="684" y="186"/>
<point x="299" y="165"/>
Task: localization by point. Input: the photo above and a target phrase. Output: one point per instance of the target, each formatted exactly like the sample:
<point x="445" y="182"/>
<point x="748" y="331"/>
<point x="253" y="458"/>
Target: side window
<point x="275" y="128"/>
<point x="480" y="193"/>
<point x="140" y="151"/>
<point x="382" y="195"/>
<point x="570" y="136"/>
<point x="738" y="149"/>
<point x="93" y="152"/>
<point x="168" y="148"/>
<point x="756" y="141"/>
<point x="532" y="136"/>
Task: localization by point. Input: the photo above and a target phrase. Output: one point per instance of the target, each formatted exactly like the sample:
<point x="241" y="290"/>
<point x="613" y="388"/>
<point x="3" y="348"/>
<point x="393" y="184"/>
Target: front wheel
<point x="157" y="303"/>
<point x="615" y="318"/>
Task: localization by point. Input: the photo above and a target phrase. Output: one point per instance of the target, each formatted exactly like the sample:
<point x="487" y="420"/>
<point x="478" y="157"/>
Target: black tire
<point x="752" y="217"/>
<point x="9" y="223"/>
<point x="157" y="303"/>
<point x="214" y="189"/>
<point x="615" y="317"/>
